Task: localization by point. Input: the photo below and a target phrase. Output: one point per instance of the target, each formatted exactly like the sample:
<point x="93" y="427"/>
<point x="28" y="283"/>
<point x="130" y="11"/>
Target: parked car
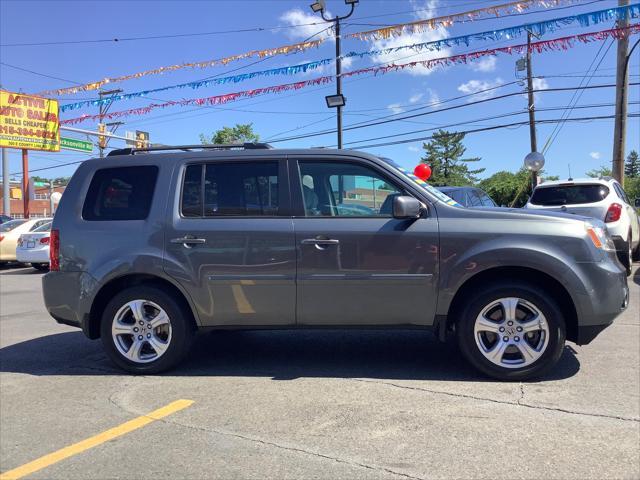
<point x="468" y="196"/>
<point x="33" y="247"/>
<point x="4" y="219"/>
<point x="601" y="198"/>
<point x="10" y="233"/>
<point x="139" y="261"/>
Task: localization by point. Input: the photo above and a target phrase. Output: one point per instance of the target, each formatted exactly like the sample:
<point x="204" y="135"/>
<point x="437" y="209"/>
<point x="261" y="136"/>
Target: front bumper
<point x="607" y="297"/>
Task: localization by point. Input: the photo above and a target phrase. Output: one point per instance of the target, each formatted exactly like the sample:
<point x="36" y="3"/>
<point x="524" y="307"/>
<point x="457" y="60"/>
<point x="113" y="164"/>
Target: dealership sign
<point x="29" y="122"/>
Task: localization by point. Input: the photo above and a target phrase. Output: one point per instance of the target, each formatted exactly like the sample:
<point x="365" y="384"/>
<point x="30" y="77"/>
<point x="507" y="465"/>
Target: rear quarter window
<point x="123" y="193"/>
<point x="569" y="194"/>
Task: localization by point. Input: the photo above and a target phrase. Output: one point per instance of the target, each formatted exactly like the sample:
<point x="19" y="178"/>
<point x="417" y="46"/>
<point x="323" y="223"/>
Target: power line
<point x="386" y="119"/>
<point x="497" y="127"/>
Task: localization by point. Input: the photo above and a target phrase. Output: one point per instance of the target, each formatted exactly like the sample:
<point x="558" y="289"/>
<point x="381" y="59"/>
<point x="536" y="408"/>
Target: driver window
<point x="336" y="189"/>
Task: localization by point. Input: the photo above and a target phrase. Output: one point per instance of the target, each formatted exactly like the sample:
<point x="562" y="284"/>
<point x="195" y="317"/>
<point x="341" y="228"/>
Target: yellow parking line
<point x="94" y="441"/>
<point x="241" y="300"/>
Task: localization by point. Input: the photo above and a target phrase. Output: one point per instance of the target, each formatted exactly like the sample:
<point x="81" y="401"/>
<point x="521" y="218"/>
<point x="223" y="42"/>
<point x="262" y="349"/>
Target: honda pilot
<point x="149" y="246"/>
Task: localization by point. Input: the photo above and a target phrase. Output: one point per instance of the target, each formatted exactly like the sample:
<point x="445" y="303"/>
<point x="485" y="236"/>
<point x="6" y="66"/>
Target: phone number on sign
<point x="9" y="130"/>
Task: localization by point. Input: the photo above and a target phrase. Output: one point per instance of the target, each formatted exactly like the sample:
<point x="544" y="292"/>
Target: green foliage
<point x="632" y="188"/>
<point x="599" y="172"/>
<point x="505" y="186"/>
<point x="444" y="153"/>
<point x="239" y="134"/>
<point x="632" y="165"/>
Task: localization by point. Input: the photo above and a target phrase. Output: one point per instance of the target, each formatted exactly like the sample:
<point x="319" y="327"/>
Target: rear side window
<point x="231" y="189"/>
<point x="569" y="194"/>
<point x="122" y="193"/>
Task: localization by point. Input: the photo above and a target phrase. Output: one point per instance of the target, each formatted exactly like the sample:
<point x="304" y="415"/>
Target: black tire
<point x="533" y="294"/>
<point x="625" y="256"/>
<point x="43" y="267"/>
<point x="636" y="253"/>
<point x="180" y="320"/>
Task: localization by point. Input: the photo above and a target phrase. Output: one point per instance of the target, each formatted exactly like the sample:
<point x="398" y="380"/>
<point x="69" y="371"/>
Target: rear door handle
<point x="187" y="241"/>
<point x="320" y="241"/>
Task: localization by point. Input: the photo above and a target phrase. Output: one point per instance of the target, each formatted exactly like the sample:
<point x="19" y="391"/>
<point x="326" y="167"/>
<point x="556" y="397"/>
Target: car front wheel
<point x="144" y="330"/>
<point x="511" y="331"/>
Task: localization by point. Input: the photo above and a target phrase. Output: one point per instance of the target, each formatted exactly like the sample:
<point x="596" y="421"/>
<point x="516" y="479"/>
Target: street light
<point x="336" y="101"/>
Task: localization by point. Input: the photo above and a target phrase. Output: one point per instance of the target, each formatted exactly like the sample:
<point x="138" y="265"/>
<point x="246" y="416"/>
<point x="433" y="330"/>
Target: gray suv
<point x="149" y="246"/>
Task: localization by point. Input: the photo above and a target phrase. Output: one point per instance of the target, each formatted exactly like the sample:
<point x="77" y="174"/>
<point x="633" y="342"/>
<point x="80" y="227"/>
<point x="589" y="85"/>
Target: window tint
<point x="123" y="193"/>
<point x="231" y="189"/>
<point x="38" y="224"/>
<point x="333" y="189"/>
<point x="486" y="200"/>
<point x="474" y="198"/>
<point x="43" y="228"/>
<point x="621" y="193"/>
<point x="192" y="192"/>
<point x="569" y="194"/>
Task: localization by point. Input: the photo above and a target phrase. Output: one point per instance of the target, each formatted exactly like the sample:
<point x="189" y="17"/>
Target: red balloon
<point x="422" y="171"/>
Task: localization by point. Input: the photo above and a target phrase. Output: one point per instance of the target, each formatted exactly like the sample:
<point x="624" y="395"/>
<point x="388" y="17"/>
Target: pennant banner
<point x="538" y="28"/>
<point x="447" y="20"/>
<point x="557" y="44"/>
<point x="497" y="10"/>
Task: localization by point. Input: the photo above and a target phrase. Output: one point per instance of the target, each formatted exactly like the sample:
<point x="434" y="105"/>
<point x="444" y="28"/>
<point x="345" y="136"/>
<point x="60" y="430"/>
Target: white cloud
<point x="306" y="26"/>
<point x="413" y="148"/>
<point x="433" y="96"/>
<point x="486" y="64"/>
<point x="395" y="108"/>
<point x="538" y="84"/>
<point x="416" y="97"/>
<point x="406" y="55"/>
<point x="479" y="87"/>
<point x="595" y="155"/>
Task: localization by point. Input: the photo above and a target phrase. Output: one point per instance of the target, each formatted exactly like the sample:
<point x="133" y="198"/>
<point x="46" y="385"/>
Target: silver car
<point x="149" y="246"/>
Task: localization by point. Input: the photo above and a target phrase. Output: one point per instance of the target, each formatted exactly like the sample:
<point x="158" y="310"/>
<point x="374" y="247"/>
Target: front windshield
<point x="422" y="184"/>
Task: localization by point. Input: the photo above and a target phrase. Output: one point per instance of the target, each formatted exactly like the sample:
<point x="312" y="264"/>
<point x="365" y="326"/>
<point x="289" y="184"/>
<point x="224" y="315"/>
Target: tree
<point x="444" y="153"/>
<point x="505" y="186"/>
<point x="599" y="172"/>
<point x="239" y="134"/>
<point x="632" y="165"/>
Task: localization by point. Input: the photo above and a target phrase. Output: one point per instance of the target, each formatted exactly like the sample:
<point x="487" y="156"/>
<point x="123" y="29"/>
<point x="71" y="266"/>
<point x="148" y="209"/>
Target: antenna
<point x="569" y="166"/>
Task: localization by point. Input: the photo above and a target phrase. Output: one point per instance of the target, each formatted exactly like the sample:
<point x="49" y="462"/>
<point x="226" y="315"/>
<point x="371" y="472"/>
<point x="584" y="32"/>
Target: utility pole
<point x="622" y="80"/>
<point x="25" y="182"/>
<point x="51" y="196"/>
<point x="531" y="108"/>
<point x="6" y="200"/>
<point x="336" y="101"/>
<point x="104" y="108"/>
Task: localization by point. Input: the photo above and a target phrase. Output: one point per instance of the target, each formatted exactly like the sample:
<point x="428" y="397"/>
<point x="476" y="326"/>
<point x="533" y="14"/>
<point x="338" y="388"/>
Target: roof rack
<point x="186" y="148"/>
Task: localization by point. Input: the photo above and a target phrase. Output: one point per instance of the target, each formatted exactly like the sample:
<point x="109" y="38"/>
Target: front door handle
<point x="188" y="241"/>
<point x="320" y="243"/>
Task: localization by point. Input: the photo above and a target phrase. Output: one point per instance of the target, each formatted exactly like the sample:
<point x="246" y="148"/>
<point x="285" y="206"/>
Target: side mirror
<point x="405" y="206"/>
<point x="637" y="203"/>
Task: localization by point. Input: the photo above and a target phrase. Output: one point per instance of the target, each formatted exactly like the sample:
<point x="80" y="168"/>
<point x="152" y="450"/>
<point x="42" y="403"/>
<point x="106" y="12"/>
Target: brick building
<point x="39" y="206"/>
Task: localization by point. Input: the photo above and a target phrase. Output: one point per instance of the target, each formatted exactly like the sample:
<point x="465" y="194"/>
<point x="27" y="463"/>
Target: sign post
<point x="28" y="123"/>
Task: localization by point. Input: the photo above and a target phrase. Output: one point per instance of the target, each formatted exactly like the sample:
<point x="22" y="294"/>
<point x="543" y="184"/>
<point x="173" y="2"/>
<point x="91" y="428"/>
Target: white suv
<point x="601" y="198"/>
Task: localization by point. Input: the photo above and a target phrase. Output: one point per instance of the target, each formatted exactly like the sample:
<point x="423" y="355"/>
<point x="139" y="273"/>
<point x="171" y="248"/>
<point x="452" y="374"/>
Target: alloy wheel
<point x="511" y="332"/>
<point x="141" y="331"/>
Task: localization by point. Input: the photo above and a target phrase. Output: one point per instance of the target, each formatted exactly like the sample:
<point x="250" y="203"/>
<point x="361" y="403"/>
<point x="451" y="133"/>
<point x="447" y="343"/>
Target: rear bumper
<point x="32" y="255"/>
<point x="68" y="296"/>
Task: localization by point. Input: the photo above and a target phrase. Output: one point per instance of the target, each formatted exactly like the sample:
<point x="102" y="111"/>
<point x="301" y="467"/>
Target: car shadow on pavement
<point x="281" y="355"/>
<point x="18" y="269"/>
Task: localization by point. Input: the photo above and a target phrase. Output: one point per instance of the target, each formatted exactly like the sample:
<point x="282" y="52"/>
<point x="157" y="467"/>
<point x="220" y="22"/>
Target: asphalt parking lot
<point x="319" y="404"/>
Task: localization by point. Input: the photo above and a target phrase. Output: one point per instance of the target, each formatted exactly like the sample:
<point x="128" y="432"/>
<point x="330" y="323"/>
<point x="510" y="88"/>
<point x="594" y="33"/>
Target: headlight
<point x="600" y="237"/>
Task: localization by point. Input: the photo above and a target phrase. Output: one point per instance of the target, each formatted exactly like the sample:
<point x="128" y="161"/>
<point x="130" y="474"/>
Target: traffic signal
<point x="142" y="139"/>
<point x="102" y="140"/>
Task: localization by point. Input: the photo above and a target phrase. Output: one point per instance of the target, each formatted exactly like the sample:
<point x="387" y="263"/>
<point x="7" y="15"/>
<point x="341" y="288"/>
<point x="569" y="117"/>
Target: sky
<point x="60" y="61"/>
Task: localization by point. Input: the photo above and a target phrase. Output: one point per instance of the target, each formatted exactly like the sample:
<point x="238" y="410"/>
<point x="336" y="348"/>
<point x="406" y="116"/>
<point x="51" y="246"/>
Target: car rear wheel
<point x="511" y="331"/>
<point x="626" y="255"/>
<point x="40" y="266"/>
<point x="144" y="330"/>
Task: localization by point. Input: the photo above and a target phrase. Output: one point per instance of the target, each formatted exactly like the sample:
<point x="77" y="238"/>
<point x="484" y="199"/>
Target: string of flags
<point x="537" y="28"/>
<point x="398" y="29"/>
<point x="557" y="44"/>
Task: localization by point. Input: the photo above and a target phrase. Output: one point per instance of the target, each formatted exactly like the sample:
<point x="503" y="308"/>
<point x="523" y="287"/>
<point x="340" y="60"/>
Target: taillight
<point x="44" y="240"/>
<point x="54" y="251"/>
<point x="614" y="212"/>
<point x="1" y="238"/>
